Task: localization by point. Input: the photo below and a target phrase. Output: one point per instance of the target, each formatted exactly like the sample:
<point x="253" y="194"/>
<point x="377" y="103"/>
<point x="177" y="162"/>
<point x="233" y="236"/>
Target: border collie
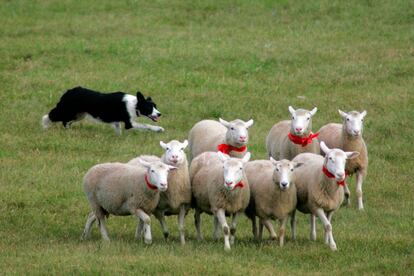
<point x="112" y="108"/>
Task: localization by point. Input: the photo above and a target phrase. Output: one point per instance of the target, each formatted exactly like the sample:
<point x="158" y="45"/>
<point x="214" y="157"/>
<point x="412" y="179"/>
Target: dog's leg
<point x="140" y="126"/>
<point x="117" y="126"/>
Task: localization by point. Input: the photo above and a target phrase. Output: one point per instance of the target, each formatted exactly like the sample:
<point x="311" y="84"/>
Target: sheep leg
<point x="329" y="216"/>
<point x="269" y="227"/>
<point x="161" y="218"/>
<point x="102" y="228"/>
<point x="260" y="236"/>
<point x="197" y="221"/>
<point x="254" y="227"/>
<point x="221" y="216"/>
<point x="313" y="227"/>
<point x="293" y="224"/>
<point x="347" y="194"/>
<point x="359" y="179"/>
<point x="216" y="233"/>
<point x="181" y="226"/>
<point x="233" y="228"/>
<point x="282" y="231"/>
<point x="147" y="225"/>
<point x="328" y="228"/>
<point x="88" y="226"/>
<point x="139" y="229"/>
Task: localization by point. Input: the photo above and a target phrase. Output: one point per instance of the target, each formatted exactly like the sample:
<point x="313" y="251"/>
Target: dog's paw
<point x="158" y="129"/>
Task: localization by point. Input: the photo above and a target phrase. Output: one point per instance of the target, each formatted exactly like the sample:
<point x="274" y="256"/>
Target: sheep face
<point x="301" y="122"/>
<point x="237" y="131"/>
<point x="283" y="172"/>
<point x="353" y="122"/>
<point x="233" y="169"/>
<point x="174" y="152"/>
<point x="335" y="160"/>
<point x="157" y="173"/>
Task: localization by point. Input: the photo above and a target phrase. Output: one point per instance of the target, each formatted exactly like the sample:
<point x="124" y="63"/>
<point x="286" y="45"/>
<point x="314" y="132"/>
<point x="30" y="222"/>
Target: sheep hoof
<point x="226" y="248"/>
<point x="148" y="241"/>
<point x="333" y="247"/>
<point x="273" y="238"/>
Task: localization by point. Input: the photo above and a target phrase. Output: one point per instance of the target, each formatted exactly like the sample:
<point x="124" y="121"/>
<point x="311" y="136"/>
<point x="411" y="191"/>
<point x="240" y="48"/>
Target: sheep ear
<point x="313" y="111"/>
<point x="184" y="144"/>
<point x="274" y="162"/>
<point x="171" y="168"/>
<point x="223" y="157"/>
<point x="246" y="157"/>
<point x="144" y="163"/>
<point x="249" y="123"/>
<point x="343" y="114"/>
<point x="224" y="122"/>
<point x="351" y="154"/>
<point x="291" y="110"/>
<point x="364" y="113"/>
<point x="297" y="165"/>
<point x="163" y="145"/>
<point x="324" y="148"/>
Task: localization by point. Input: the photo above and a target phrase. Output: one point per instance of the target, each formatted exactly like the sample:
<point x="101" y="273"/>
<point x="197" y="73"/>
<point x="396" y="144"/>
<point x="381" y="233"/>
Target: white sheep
<point x="219" y="187"/>
<point x="319" y="184"/>
<point x="348" y="137"/>
<point x="177" y="199"/>
<point x="228" y="137"/>
<point x="272" y="194"/>
<point x="121" y="189"/>
<point x="287" y="139"/>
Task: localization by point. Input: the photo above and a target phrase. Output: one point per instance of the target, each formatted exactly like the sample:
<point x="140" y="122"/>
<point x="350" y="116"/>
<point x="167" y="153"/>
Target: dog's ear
<point x="140" y="97"/>
<point x="149" y="99"/>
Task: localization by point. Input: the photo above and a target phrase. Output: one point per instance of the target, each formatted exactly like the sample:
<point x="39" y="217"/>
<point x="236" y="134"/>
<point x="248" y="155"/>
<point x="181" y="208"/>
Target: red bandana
<point x="149" y="185"/>
<point x="304" y="141"/>
<point x="224" y="148"/>
<point x="240" y="184"/>
<point x="328" y="174"/>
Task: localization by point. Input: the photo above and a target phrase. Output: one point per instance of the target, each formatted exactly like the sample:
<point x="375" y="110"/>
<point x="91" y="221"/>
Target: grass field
<point x="198" y="60"/>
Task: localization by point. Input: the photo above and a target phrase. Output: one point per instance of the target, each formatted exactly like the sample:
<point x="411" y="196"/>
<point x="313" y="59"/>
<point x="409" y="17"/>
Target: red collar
<point x="304" y="141"/>
<point x="330" y="175"/>
<point x="225" y="148"/>
<point x="240" y="184"/>
<point x="149" y="185"/>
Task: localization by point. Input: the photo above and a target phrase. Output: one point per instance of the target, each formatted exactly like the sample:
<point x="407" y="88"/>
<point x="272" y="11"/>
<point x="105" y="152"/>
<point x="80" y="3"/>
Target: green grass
<point x="198" y="60"/>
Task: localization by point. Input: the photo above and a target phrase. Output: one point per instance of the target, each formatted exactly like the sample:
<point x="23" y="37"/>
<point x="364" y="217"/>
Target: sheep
<point x="121" y="189"/>
<point x="272" y="194"/>
<point x="220" y="187"/>
<point x="287" y="139"/>
<point x="319" y="185"/>
<point x="348" y="137"/>
<point x="177" y="199"/>
<point x="228" y="137"/>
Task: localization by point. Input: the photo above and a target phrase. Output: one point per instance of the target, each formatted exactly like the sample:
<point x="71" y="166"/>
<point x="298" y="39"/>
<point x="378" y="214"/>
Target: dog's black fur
<point x="109" y="108"/>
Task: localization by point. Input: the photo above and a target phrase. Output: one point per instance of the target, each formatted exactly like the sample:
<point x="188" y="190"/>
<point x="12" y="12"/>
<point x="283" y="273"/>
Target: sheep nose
<point x="298" y="129"/>
<point x="356" y="132"/>
<point x="228" y="183"/>
<point x="242" y="137"/>
<point x="284" y="184"/>
<point x="163" y="185"/>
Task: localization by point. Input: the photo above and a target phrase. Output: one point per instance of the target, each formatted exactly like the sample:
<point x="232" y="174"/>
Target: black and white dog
<point x="112" y="108"/>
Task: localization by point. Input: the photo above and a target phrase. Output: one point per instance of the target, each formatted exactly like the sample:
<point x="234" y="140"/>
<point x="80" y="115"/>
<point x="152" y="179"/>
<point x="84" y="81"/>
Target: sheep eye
<point x="291" y="170"/>
<point x="293" y="118"/>
<point x="152" y="171"/>
<point x="232" y="128"/>
<point x="330" y="158"/>
<point x="241" y="168"/>
<point x="308" y="118"/>
<point x="347" y="119"/>
<point x="277" y="169"/>
<point x="362" y="120"/>
<point x="168" y="149"/>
